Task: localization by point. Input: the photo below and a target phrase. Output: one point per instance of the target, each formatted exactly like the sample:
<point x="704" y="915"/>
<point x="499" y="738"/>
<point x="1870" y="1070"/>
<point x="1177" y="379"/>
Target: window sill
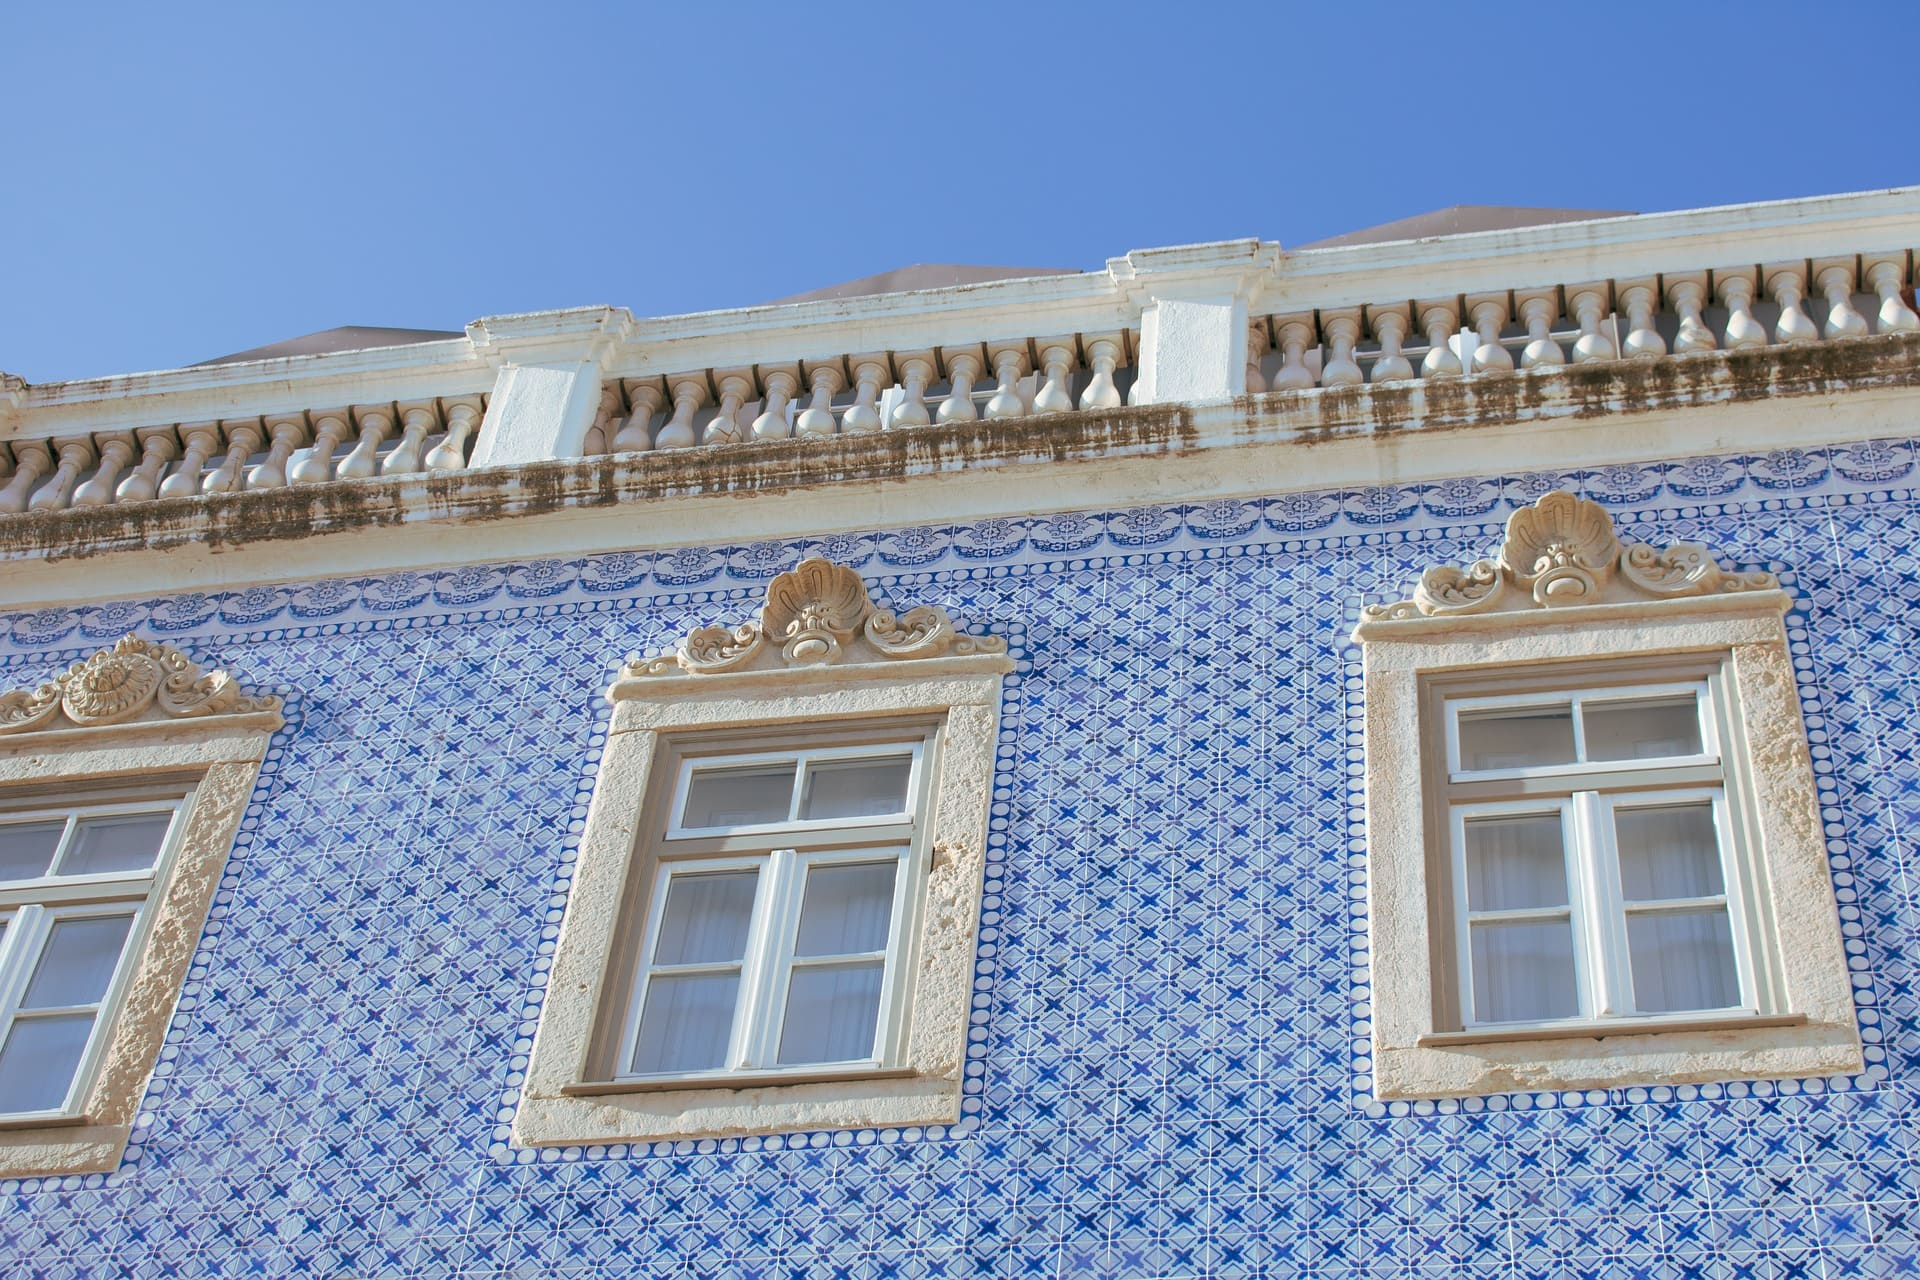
<point x="1609" y="1030"/>
<point x="11" y="1123"/>
<point x="735" y="1080"/>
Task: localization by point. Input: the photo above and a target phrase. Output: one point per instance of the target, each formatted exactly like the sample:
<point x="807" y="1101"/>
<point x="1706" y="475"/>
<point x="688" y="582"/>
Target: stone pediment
<point x="1563" y="552"/>
<point x="817" y="614"/>
<point x="135" y="680"/>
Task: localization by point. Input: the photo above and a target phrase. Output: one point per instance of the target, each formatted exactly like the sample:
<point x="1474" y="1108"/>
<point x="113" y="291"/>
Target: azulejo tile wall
<point x="1168" y="1072"/>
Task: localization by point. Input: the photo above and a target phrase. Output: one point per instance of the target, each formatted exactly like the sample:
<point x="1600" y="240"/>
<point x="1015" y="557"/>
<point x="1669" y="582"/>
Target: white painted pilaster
<point x="1192" y="349"/>
<point x="538" y="412"/>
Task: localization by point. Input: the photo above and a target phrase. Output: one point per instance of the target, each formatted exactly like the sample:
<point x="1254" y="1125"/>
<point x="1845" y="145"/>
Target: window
<point x="75" y="884"/>
<point x="1594" y="853"/>
<point x="1596" y="873"/>
<point x="122" y="783"/>
<point x="778" y="911"/>
<point x="776" y="899"/>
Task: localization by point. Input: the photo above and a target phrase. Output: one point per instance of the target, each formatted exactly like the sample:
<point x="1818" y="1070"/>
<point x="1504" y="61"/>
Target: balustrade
<point x="184" y="460"/>
<point x="1543" y="329"/>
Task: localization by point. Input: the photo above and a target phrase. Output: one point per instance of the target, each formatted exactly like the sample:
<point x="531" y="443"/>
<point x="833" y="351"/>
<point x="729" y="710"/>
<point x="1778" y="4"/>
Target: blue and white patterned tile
<point x="1167" y="1070"/>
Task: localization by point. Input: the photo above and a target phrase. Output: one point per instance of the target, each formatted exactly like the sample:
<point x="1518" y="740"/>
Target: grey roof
<point x="922" y="275"/>
<point x="348" y="337"/>
<point x="1461" y="218"/>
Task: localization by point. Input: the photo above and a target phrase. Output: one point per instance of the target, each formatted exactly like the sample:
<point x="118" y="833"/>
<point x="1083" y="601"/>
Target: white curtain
<point x="1522" y="970"/>
<point x="833" y="1009"/>
<point x="1681" y="960"/>
<point x="687" y="1020"/>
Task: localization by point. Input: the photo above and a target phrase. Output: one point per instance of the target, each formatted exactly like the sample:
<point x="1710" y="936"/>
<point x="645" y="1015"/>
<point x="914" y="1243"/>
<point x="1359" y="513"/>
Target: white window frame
<point x="1597" y="908"/>
<point x="767" y="968"/>
<point x="30" y="908"/>
<point x="1577" y="699"/>
<point x="803" y="761"/>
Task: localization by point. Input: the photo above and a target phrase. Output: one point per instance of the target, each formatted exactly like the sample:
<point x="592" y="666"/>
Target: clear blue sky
<point x="182" y="180"/>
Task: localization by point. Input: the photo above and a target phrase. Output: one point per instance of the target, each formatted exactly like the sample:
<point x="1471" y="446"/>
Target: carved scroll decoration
<point x="1563" y="551"/>
<point x="136" y="679"/>
<point x="816" y="614"/>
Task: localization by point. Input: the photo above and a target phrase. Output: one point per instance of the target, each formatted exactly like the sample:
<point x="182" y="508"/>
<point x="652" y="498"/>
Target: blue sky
<point x="182" y="181"/>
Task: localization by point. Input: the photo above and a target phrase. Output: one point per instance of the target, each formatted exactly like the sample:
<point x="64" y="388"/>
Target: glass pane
<point x="739" y="797"/>
<point x="1669" y="852"/>
<point x="38" y="1061"/>
<point x="1516" y="739"/>
<point x="102" y="846"/>
<point x="1513" y="863"/>
<point x="1645" y="730"/>
<point x="846" y="909"/>
<point x="832" y="1013"/>
<point x="77" y="962"/>
<point x="1682" y="960"/>
<point x="26" y="848"/>
<point x="687" y="1022"/>
<point x="1523" y="972"/>
<point x="856" y="788"/>
<point x="707" y="918"/>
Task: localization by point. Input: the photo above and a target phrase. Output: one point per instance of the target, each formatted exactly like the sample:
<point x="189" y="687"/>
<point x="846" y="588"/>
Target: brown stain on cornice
<point x="765" y="469"/>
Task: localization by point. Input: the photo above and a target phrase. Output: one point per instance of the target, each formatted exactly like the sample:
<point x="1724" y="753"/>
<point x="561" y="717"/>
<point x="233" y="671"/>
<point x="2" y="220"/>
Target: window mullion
<point x="770" y="935"/>
<point x="1607" y="919"/>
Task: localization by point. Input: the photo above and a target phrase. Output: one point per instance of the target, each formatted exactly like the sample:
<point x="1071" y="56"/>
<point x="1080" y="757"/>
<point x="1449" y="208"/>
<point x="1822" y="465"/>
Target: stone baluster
<point x="159" y="446"/>
<point x="463" y="414"/>
<point x="1259" y="342"/>
<point x="1787" y="284"/>
<point x="1538" y="310"/>
<point x="202" y="440"/>
<point x="76" y="454"/>
<point x="963" y="370"/>
<point x="330" y="427"/>
<point x="417" y="421"/>
<point x="689" y="393"/>
<point x="1389" y="326"/>
<point x="916" y="372"/>
<point x="824" y="381"/>
<point x="781" y="382"/>
<point x="1744" y="333"/>
<point x="31" y="460"/>
<point x="1056" y="367"/>
<point x="1835" y="281"/>
<point x="1643" y="337"/>
<point x="244" y="436"/>
<point x="599" y="436"/>
<point x="285" y="433"/>
<point x="1295" y="335"/>
<point x="1687" y="296"/>
<point x="1489" y="314"/>
<point x="644" y="397"/>
<point x="1440" y="321"/>
<point x="735" y="386"/>
<point x="1588" y="305"/>
<point x="376" y="421"/>
<point x="1103" y="357"/>
<point x="1883" y="277"/>
<point x="863" y="415"/>
<point x="1009" y="366"/>
<point x="116" y="451"/>
<point x="1342" y="331"/>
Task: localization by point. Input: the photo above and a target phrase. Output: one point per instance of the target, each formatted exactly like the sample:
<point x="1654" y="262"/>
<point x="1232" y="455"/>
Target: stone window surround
<point x="1456" y="627"/>
<point x="907" y="670"/>
<point x="194" y="732"/>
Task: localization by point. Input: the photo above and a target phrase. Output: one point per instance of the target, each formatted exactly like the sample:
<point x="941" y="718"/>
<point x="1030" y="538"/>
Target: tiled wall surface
<point x="1169" y="1070"/>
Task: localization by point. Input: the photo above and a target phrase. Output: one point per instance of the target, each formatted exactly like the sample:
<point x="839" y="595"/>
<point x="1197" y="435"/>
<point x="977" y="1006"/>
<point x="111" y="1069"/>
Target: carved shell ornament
<point x="816" y="614"/>
<point x="1563" y="551"/>
<point x="133" y="680"/>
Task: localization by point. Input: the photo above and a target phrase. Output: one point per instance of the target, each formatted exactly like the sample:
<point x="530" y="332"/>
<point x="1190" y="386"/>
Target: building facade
<point x="1392" y="759"/>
